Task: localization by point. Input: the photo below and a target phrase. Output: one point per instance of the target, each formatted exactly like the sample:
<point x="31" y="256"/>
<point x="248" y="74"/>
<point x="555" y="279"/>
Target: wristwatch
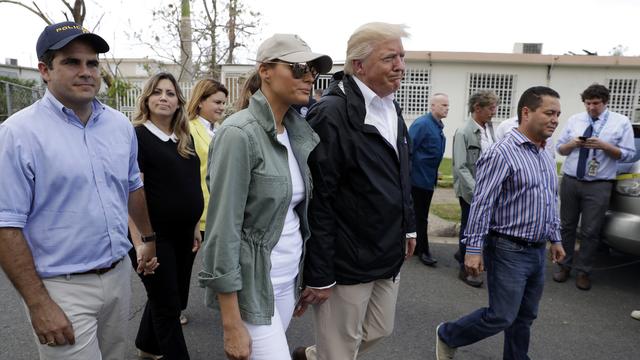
<point x="148" y="238"/>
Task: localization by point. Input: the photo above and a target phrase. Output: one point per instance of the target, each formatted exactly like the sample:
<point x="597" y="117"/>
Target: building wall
<point x="20" y="72"/>
<point x="568" y="81"/>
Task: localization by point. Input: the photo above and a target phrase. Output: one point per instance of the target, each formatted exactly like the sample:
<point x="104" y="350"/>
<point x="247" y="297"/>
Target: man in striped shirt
<point x="513" y="214"/>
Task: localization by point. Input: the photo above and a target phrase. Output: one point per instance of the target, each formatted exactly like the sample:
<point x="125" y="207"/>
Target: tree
<point x="186" y="52"/>
<point x="77" y="14"/>
<point x="241" y="24"/>
<point x="78" y="11"/>
<point x="208" y="48"/>
<point x="618" y="50"/>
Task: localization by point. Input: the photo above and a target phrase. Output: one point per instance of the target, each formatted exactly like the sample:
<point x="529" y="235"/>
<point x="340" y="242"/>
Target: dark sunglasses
<point x="299" y="70"/>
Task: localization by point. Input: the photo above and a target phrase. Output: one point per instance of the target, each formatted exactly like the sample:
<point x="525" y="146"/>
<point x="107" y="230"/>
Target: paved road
<point x="572" y="324"/>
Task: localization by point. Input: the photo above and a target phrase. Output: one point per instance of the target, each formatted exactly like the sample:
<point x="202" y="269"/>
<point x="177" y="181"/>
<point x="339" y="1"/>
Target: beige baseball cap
<point x="291" y="48"/>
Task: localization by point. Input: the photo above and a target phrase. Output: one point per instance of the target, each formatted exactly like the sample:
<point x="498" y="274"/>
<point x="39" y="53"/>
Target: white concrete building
<point x="138" y="70"/>
<point x="11" y="69"/>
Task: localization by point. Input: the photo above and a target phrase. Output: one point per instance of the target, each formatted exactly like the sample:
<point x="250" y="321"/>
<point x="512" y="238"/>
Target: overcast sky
<point x="448" y="25"/>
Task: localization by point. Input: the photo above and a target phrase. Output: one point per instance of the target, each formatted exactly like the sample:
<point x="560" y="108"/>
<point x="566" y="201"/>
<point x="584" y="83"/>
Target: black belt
<point x="591" y="181"/>
<point x="99" y="271"/>
<point x="519" y="241"/>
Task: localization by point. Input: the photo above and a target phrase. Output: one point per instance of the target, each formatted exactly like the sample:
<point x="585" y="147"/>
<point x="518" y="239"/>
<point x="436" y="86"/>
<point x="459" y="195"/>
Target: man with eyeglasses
<point x="593" y="142"/>
<point x="361" y="215"/>
<point x="469" y="142"/>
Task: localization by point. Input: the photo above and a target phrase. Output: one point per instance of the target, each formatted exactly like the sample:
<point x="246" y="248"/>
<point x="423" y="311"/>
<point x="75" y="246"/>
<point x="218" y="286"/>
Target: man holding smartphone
<point x="593" y="142"/>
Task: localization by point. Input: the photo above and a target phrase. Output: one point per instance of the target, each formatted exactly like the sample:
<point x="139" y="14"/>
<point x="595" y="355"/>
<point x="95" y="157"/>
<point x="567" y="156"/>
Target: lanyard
<point x="595" y="132"/>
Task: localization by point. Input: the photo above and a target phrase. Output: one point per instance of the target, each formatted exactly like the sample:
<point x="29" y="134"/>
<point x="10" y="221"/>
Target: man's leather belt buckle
<point x="519" y="241"/>
<point x="100" y="271"/>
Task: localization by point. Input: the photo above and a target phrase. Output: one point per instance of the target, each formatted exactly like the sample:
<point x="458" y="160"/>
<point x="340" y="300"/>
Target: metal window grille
<point x="233" y="82"/>
<point x="501" y="84"/>
<point x="625" y="97"/>
<point x="413" y="95"/>
<point x="323" y="82"/>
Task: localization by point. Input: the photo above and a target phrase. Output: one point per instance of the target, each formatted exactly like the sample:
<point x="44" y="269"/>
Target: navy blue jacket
<point x="361" y="207"/>
<point x="428" y="143"/>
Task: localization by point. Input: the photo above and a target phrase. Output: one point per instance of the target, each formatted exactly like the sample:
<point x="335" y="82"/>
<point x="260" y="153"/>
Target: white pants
<point x="98" y="308"/>
<point x="269" y="342"/>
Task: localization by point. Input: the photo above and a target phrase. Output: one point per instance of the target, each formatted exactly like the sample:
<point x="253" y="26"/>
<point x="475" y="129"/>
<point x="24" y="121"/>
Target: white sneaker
<point x="183" y="319"/>
<point x="443" y="351"/>
<point x="635" y="314"/>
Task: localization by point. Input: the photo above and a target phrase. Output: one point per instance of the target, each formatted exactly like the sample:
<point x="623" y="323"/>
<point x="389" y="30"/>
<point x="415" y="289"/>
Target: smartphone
<point x="583" y="138"/>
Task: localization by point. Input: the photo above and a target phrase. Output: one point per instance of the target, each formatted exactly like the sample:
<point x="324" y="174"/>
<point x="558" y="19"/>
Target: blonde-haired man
<point x="361" y="210"/>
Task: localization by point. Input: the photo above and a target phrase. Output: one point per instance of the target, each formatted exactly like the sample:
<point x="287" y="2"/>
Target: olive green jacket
<point x="466" y="151"/>
<point x="250" y="186"/>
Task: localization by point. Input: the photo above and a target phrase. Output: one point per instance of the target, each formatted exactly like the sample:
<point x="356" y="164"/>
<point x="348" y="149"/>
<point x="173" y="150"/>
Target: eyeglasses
<point x="298" y="70"/>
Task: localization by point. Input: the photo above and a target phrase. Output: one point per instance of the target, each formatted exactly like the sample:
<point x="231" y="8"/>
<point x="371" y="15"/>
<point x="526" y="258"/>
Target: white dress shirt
<point x="207" y="125"/>
<point x="381" y="113"/>
<point x="486" y="135"/>
<point x="617" y="131"/>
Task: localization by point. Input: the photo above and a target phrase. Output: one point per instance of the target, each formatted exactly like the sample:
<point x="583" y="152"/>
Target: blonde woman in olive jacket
<point x="260" y="187"/>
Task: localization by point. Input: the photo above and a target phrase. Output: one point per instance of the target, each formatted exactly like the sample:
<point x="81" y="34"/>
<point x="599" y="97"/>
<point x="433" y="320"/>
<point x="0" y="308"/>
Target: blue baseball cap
<point x="57" y="36"/>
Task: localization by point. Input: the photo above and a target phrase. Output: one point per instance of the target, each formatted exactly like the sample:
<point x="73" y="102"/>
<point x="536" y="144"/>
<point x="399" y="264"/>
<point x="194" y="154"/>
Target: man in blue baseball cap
<point x="70" y="176"/>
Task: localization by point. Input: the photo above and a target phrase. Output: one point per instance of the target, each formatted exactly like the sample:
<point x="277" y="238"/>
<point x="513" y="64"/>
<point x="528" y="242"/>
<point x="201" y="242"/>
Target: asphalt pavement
<point x="572" y="324"/>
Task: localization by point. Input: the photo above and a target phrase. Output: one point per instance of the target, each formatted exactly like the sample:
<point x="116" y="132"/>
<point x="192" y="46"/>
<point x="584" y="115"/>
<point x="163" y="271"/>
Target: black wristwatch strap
<point x="148" y="238"/>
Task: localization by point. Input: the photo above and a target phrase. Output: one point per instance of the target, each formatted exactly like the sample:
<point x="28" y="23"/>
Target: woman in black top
<point x="171" y="175"/>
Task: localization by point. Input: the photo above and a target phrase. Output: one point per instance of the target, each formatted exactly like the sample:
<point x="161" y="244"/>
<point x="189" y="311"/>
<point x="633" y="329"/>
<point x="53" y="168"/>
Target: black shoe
<point x="428" y="260"/>
<point x="583" y="282"/>
<point x="475" y="281"/>
<point x="300" y="353"/>
<point x="458" y="257"/>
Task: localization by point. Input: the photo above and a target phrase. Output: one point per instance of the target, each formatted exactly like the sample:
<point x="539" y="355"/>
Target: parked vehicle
<point x="621" y="230"/>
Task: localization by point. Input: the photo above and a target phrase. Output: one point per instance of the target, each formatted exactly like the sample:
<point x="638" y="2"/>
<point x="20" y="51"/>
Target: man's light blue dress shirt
<point x="67" y="185"/>
<point x="616" y="131"/>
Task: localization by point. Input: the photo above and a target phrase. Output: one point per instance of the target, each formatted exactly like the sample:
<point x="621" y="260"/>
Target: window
<point x="413" y="95"/>
<point x="501" y="84"/>
<point x="625" y="97"/>
<point x="233" y="82"/>
<point x="323" y="82"/>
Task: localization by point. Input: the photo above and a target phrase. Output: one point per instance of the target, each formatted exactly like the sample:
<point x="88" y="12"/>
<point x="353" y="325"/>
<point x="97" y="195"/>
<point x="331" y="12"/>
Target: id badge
<point x="593" y="167"/>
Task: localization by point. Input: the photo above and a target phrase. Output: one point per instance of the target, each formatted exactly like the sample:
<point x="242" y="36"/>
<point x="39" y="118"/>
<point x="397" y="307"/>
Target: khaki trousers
<point x="98" y="308"/>
<point x="353" y="319"/>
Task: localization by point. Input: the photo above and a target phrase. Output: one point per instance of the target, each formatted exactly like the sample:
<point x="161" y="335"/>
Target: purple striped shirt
<point x="516" y="194"/>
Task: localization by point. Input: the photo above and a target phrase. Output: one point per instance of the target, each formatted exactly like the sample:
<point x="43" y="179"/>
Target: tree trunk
<point x="231" y="29"/>
<point x="212" y="20"/>
<point x="186" y="54"/>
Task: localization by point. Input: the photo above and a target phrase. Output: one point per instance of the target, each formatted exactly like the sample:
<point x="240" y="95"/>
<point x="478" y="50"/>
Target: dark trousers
<point x="421" y="204"/>
<point x="590" y="201"/>
<point x="515" y="281"/>
<point x="160" y="331"/>
<point x="465" y="207"/>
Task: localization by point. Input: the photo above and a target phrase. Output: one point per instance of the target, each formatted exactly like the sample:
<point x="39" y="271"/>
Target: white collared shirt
<point x="507" y="125"/>
<point x="207" y="125"/>
<point x="159" y="133"/>
<point x="486" y="135"/>
<point x="381" y="113"/>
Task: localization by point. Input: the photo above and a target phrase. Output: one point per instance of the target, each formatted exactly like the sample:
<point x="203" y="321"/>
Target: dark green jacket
<point x="250" y="185"/>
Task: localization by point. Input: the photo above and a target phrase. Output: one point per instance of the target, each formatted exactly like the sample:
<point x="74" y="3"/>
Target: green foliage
<point x="118" y="88"/>
<point x="446" y="211"/>
<point x="445" y="177"/>
<point x="23" y="82"/>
